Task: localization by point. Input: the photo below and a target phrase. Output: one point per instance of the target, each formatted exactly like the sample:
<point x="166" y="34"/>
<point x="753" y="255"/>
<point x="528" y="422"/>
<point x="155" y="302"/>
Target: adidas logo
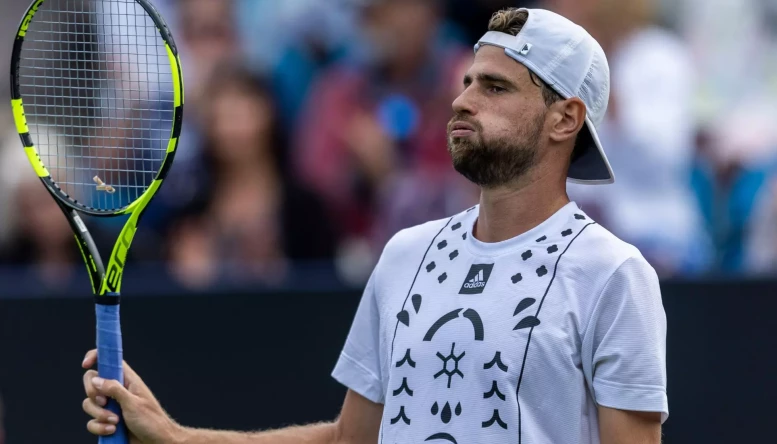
<point x="476" y="282"/>
<point x="476" y="279"/>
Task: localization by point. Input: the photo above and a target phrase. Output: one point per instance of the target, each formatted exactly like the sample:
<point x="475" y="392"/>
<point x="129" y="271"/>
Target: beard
<point x="492" y="163"/>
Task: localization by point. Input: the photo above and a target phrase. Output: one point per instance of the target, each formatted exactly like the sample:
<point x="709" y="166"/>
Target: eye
<point x="496" y="89"/>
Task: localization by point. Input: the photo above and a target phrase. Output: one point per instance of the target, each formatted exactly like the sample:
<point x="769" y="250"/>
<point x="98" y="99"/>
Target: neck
<point x="509" y="211"/>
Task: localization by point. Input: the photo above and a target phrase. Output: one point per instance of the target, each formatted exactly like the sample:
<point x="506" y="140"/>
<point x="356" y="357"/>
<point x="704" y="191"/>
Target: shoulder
<point x="608" y="274"/>
<point x="602" y="246"/>
<point x="596" y="255"/>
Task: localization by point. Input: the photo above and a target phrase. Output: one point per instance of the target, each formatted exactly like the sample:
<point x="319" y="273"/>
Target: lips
<point x="464" y="126"/>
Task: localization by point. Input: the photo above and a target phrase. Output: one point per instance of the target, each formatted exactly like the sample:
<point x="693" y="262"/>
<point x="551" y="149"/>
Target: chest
<point x="479" y="303"/>
<point x="461" y="344"/>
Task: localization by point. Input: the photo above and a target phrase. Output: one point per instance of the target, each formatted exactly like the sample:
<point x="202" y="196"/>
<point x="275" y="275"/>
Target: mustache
<point x="465" y="119"/>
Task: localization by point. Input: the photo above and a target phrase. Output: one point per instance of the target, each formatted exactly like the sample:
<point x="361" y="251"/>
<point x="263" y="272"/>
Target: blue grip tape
<point x="109" y="362"/>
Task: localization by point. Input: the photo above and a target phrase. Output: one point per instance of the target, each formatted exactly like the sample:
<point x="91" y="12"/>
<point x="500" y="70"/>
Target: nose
<point x="465" y="103"/>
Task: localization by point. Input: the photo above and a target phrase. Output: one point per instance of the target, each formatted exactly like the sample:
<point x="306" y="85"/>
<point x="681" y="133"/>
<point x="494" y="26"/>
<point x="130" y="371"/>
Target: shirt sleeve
<point x="359" y="365"/>
<point x="624" y="346"/>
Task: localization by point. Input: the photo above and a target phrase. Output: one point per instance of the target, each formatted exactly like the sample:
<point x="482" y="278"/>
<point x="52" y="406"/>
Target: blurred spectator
<point x="737" y="57"/>
<point x="762" y="246"/>
<point x="373" y="137"/>
<point x="648" y="134"/>
<point x="206" y="36"/>
<point x="736" y="103"/>
<point x="36" y="234"/>
<point x="43" y="240"/>
<point x="248" y="218"/>
<point x="732" y="182"/>
<point x="12" y="164"/>
<point x="207" y="33"/>
<point x="300" y="47"/>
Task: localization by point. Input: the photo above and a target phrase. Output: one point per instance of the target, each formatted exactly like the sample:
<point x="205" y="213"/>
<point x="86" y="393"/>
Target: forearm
<point x="629" y="427"/>
<point x="324" y="433"/>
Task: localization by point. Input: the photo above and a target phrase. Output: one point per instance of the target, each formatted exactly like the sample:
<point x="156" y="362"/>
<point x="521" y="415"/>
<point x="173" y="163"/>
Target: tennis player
<point x="517" y="321"/>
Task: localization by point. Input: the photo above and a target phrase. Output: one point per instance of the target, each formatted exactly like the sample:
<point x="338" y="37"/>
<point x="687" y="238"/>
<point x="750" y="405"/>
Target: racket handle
<point x="110" y="359"/>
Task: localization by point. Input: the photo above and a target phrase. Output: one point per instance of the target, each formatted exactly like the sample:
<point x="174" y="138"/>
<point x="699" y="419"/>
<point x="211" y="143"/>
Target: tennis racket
<point x="97" y="97"/>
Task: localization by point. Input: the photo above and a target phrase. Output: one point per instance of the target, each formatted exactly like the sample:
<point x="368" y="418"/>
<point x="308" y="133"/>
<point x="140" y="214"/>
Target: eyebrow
<point x="488" y="78"/>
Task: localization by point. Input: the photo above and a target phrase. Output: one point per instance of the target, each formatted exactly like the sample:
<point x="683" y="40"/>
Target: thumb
<point x="113" y="389"/>
<point x="134" y="383"/>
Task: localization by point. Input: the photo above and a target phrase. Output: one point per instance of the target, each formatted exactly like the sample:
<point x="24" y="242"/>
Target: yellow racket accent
<point x="174" y="67"/>
<point x="18" y="116"/>
<point x="21" y="126"/>
<point x="37" y="164"/>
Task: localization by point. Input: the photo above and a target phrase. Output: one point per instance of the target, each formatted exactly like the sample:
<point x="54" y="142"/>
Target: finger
<point x="89" y="359"/>
<point x="133" y="382"/>
<point x="129" y="373"/>
<point x="97" y="428"/>
<point x="113" y="389"/>
<point x="99" y="413"/>
<point x="91" y="391"/>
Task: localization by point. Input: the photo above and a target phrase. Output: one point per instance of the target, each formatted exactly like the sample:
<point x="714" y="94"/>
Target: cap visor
<point x="592" y="167"/>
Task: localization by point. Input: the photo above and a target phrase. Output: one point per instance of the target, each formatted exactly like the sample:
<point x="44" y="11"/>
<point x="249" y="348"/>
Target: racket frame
<point x="104" y="279"/>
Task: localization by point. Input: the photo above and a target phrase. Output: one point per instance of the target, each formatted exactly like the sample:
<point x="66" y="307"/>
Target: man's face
<point x="498" y="130"/>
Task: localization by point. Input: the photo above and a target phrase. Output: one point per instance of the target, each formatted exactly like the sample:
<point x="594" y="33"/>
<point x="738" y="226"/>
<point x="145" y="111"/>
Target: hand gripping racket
<point x="97" y="97"/>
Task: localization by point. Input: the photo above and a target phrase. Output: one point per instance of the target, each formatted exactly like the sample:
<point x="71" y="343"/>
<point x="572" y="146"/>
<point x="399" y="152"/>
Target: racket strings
<point x="98" y="94"/>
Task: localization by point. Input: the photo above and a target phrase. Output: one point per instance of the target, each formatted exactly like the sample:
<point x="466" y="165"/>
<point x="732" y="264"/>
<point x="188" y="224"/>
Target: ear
<point x="568" y="119"/>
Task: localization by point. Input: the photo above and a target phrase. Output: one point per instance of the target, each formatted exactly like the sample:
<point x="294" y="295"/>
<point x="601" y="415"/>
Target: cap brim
<point x="592" y="167"/>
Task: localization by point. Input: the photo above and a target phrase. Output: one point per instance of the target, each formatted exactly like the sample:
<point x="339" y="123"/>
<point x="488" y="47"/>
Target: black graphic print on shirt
<point x="459" y="351"/>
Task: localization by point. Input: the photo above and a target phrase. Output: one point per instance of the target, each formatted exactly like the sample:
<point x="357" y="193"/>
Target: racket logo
<point x="101" y="186"/>
<point x="28" y="18"/>
<point x="113" y="277"/>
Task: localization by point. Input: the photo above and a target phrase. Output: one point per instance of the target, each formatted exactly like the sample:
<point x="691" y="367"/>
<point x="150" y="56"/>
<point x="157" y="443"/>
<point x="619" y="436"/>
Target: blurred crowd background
<point x="315" y="130"/>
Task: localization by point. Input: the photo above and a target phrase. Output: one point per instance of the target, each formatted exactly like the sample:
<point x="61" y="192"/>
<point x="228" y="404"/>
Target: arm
<point x="625" y="353"/>
<point x="310" y="434"/>
<point x="358" y="423"/>
<point x="148" y="423"/>
<point x="629" y="427"/>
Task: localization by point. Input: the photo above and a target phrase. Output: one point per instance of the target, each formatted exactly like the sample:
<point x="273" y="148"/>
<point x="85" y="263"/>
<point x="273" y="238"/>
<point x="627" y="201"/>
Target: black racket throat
<point x="86" y="244"/>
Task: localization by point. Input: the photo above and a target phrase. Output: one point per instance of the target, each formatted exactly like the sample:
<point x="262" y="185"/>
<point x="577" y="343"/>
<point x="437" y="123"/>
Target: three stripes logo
<point x="476" y="279"/>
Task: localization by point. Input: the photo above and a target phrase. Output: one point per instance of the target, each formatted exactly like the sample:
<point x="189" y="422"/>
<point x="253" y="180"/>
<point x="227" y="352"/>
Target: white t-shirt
<point x="510" y="342"/>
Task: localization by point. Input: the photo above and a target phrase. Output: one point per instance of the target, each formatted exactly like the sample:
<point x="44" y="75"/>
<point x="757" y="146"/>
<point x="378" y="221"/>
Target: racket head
<point x="97" y="97"/>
